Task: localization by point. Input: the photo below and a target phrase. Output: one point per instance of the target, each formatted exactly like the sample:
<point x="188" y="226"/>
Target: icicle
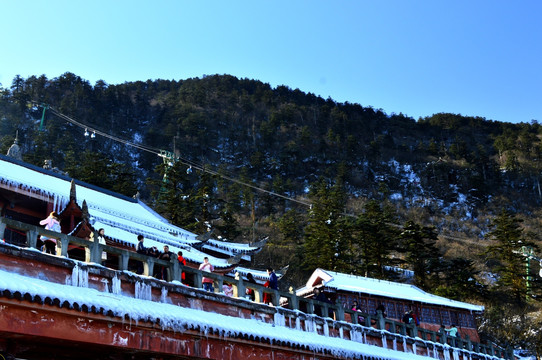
<point x="83" y="278"/>
<point x="297" y="323"/>
<point x="341" y="334"/>
<point x="435" y="352"/>
<point x="455" y="354"/>
<point x="384" y="341"/>
<point x="356" y="336"/>
<point x="55" y="202"/>
<point x="446" y="352"/>
<point x="414" y="348"/>
<point x="308" y="327"/>
<point x="106" y="285"/>
<point x="79" y="276"/>
<point x="405" y="349"/>
<point x="326" y="329"/>
<point x="163" y="297"/>
<point x="116" y="285"/>
<point x="142" y="291"/>
<point x="280" y="320"/>
<point x="75" y="275"/>
<point x="394" y="343"/>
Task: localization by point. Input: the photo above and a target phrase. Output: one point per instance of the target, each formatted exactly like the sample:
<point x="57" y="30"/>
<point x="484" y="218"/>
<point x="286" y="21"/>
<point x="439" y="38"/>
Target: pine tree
<point x="418" y="245"/>
<point x="374" y="241"/>
<point x="328" y="230"/>
<point x="459" y="280"/>
<point x="97" y="169"/>
<point x="174" y="195"/>
<point x="228" y="226"/>
<point x="507" y="252"/>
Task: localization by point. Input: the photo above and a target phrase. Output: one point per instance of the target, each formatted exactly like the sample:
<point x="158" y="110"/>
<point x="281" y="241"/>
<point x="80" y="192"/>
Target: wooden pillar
<point x="3" y="229"/>
<point x="176" y="270"/>
<point x="123" y="261"/>
<point x="239" y="290"/>
<point x="31" y="238"/>
<point x="380" y="320"/>
<point x="148" y="266"/>
<point x="294" y="302"/>
<point x="62" y="248"/>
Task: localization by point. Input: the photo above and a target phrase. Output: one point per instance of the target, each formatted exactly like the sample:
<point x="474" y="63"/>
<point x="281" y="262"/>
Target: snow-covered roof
<point x="375" y="287"/>
<point x="121" y="217"/>
<point x="177" y="318"/>
<point x="261" y="276"/>
<point x="232" y="247"/>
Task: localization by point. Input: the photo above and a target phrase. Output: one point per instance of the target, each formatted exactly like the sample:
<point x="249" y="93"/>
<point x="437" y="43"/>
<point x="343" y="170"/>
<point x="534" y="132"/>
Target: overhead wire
<point x="159" y="152"/>
<point x="204" y="168"/>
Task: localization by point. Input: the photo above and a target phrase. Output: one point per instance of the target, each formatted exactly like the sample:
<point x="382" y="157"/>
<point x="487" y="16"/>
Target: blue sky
<point x="419" y="57"/>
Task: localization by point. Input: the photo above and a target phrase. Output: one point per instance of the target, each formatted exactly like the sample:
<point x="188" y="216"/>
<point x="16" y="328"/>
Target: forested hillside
<point x="335" y="185"/>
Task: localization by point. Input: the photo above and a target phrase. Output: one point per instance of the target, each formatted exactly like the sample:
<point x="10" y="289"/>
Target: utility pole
<point x="45" y="107"/>
<point x="528" y="252"/>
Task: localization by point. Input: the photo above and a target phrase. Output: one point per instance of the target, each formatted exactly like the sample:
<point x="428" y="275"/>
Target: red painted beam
<point x="23" y="323"/>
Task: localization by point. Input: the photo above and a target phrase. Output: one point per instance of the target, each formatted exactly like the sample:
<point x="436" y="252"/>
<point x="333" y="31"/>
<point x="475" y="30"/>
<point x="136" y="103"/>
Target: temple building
<point x="75" y="304"/>
<point x="29" y="193"/>
<point x="431" y="310"/>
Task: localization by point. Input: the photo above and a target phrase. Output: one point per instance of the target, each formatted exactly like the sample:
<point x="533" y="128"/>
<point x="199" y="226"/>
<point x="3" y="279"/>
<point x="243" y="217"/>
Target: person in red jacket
<point x="182" y="262"/>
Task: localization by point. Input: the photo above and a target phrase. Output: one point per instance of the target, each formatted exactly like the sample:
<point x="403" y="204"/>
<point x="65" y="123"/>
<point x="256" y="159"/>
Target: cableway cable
<point x="204" y="168"/>
<point x="161" y="153"/>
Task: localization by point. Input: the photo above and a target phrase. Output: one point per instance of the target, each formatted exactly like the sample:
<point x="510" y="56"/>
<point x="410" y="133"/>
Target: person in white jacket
<point x="51" y="223"/>
<point x="101" y="240"/>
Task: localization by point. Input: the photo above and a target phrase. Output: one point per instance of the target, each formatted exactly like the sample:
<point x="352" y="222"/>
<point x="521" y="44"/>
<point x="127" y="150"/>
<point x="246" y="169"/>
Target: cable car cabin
<point x="431" y="310"/>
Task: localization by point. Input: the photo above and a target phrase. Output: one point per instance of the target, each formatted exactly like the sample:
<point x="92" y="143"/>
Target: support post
<point x="31" y="238"/>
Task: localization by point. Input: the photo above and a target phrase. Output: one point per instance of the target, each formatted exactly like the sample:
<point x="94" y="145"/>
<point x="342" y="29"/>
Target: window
<point x="445" y="317"/>
<point x="454" y="319"/>
<point x="427" y="315"/>
<point x="371" y="306"/>
<point x="391" y="310"/>
<point x="435" y="315"/>
<point x="400" y="308"/>
<point x="363" y="305"/>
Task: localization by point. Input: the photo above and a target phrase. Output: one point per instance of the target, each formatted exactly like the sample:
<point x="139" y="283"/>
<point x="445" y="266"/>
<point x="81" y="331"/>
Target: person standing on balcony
<point x="51" y="223"/>
<point x="273" y="280"/>
<point x="382" y="309"/>
<point x="167" y="255"/>
<point x="207" y="282"/>
<point x="356" y="307"/>
<point x="228" y="289"/>
<point x="452" y="331"/>
<point x="320" y="296"/>
<point x="250" y="292"/>
<point x="271" y="283"/>
<point x="182" y="262"/>
<point x="101" y="240"/>
<point x="141" y="249"/>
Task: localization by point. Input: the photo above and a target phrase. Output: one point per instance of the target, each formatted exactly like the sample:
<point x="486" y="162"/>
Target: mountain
<point x="341" y="186"/>
<point x="446" y="170"/>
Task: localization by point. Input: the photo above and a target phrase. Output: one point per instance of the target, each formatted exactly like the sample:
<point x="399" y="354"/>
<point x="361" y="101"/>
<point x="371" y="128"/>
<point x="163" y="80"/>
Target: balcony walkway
<point x="63" y="300"/>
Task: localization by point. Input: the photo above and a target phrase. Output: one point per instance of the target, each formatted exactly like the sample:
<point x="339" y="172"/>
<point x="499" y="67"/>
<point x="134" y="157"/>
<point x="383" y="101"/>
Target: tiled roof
<point x="123" y="218"/>
<point x="389" y="289"/>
